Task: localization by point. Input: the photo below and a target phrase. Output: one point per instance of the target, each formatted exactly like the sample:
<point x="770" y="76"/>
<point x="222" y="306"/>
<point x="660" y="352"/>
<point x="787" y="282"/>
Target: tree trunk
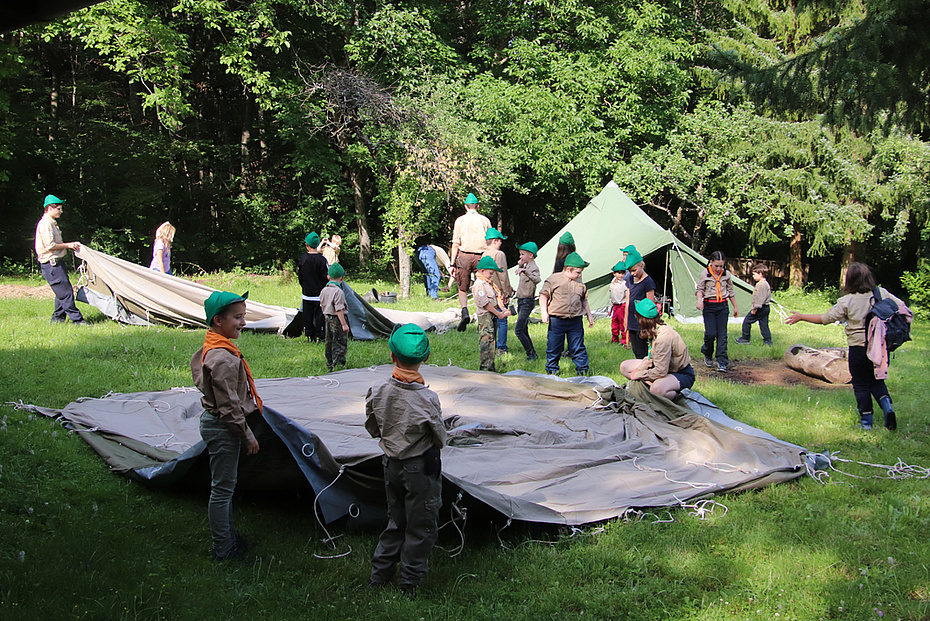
<point x="795" y="265"/>
<point x="403" y="262"/>
<point x="849" y="256"/>
<point x="354" y="176"/>
<point x="244" y="137"/>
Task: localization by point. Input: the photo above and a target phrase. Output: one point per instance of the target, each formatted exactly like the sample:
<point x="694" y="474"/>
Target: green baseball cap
<point x="493" y="233"/>
<point x="471" y="199"/>
<point x="312" y="240"/>
<point x="336" y="271"/>
<point x="646" y="308"/>
<point x="619" y="267"/>
<point x="632" y="258"/>
<point x="575" y="260"/>
<point x="219" y="300"/>
<point x="488" y="263"/>
<point x="409" y="343"/>
<point x="529" y="247"/>
<point x="51" y="199"/>
<point x="567" y="239"/>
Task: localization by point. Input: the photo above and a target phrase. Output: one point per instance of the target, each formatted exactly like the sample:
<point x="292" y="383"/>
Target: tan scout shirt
<point x="529" y="278"/>
<point x="47" y="235"/>
<point x="500" y="278"/>
<point x="761" y="294"/>
<point x="332" y="299"/>
<point x="852" y="309"/>
<point x="485" y="296"/>
<point x="225" y="387"/>
<point x="618" y="291"/>
<point x="669" y="354"/>
<point x="406" y="416"/>
<point x="469" y="231"/>
<point x="566" y="296"/>
<point x="707" y="286"/>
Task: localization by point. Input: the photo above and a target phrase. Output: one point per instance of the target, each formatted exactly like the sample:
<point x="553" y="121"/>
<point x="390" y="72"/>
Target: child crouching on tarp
<point x="229" y="397"/>
<point x="667" y="368"/>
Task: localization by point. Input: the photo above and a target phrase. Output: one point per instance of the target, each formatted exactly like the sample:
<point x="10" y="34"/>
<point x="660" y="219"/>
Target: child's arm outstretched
<point x="796" y="317"/>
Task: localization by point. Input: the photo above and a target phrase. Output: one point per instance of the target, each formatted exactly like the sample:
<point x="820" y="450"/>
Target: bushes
<point x="918" y="289"/>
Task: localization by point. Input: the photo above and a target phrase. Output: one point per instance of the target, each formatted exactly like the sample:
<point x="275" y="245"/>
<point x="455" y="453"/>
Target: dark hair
<point x="762" y="268"/>
<point x="717" y="255"/>
<point x="561" y="252"/>
<point x="859" y="279"/>
<point x="648" y="326"/>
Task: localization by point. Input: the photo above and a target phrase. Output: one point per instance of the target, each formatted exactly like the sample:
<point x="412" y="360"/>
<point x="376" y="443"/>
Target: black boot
<point x="891" y="422"/>
<point x="464" y="322"/>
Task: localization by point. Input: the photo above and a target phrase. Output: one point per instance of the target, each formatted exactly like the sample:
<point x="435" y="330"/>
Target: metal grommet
<point x="354" y="511"/>
<point x="303" y="450"/>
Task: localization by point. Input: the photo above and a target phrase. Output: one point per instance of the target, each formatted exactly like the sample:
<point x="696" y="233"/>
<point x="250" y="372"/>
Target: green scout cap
<point x="487" y="263"/>
<point x="567" y="239"/>
<point x="51" y="199"/>
<point x="409" y="343"/>
<point x="619" y="267"/>
<point x="632" y="258"/>
<point x="493" y="233"/>
<point x="219" y="300"/>
<point x="529" y="247"/>
<point x="336" y="271"/>
<point x="471" y="199"/>
<point x="646" y="308"/>
<point x="312" y="240"/>
<point x="630" y="248"/>
<point x="575" y="260"/>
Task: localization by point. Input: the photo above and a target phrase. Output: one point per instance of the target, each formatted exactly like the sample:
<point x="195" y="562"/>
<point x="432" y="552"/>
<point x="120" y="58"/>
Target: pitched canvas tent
<point x="611" y="221"/>
<point x="532" y="447"/>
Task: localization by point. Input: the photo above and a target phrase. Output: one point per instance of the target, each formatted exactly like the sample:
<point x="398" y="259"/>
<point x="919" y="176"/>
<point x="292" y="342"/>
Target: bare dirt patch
<point x="767" y="371"/>
<point x="23" y="291"/>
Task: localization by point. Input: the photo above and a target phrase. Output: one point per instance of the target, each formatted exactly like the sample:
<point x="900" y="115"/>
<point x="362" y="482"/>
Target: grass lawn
<point x="79" y="542"/>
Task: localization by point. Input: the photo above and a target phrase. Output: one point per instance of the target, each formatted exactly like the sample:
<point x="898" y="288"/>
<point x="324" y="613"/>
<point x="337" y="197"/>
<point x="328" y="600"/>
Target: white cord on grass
<point x="329" y="538"/>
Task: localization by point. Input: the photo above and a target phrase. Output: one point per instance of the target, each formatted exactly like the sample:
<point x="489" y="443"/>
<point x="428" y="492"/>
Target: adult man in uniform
<point x="468" y="244"/>
<point x="51" y="251"/>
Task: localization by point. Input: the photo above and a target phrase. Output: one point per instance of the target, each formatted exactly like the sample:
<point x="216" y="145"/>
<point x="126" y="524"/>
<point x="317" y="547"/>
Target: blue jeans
<point x="224" y="447"/>
<point x="427" y="257"/>
<point x="57" y="278"/>
<point x="524" y="308"/>
<point x="560" y="331"/>
<point x="502" y="334"/>
<point x="715" y="329"/>
<point x="762" y="316"/>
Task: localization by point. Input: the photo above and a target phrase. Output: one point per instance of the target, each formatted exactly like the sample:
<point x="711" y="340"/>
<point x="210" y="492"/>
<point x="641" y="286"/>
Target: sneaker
<point x="767" y="343"/>
<point x="464" y="322"/>
<point x="708" y="362"/>
<point x="721" y="368"/>
<point x="742" y="341"/>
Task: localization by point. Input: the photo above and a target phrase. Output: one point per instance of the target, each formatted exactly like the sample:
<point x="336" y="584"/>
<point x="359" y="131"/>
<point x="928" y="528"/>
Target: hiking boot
<point x="722" y="368"/>
<point x="464" y="322"/>
<point x="708" y="362"/>
<point x="742" y="341"/>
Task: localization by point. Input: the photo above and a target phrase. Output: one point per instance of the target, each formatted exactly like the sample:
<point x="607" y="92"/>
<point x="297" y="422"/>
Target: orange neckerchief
<point x="407" y="376"/>
<point x="218" y="341"/>
<point x="497" y="292"/>
<point x="716" y="278"/>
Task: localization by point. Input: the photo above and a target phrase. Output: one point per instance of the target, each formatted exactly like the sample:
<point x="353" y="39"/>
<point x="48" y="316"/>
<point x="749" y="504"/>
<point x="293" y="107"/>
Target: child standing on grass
<point x="311" y="274"/>
<point x="853" y="308"/>
<point x="528" y="273"/>
<point x="407" y="416"/>
<point x="761" y="298"/>
<point x="489" y="301"/>
<point x="494" y="239"/>
<point x="667" y="369"/>
<point x="619" y="293"/>
<point x="333" y="305"/>
<point x="714" y="294"/>
<point x="229" y="398"/>
<point x="563" y="301"/>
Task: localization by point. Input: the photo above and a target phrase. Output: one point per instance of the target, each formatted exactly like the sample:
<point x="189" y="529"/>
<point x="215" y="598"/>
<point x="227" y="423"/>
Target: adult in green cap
<point x="566" y="247"/>
<point x="409" y="343"/>
<point x="312" y="274"/>
<point x="641" y="287"/>
<point x="528" y="274"/>
<point x="468" y="244"/>
<point x="666" y="369"/>
<point x="51" y="251"/>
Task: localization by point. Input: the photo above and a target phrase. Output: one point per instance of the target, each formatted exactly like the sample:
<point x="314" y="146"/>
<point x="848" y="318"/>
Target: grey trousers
<point x="413" y="501"/>
<point x="224" y="447"/>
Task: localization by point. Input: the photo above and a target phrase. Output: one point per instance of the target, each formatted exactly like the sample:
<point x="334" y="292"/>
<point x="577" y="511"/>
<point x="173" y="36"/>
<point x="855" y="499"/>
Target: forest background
<point x="783" y="131"/>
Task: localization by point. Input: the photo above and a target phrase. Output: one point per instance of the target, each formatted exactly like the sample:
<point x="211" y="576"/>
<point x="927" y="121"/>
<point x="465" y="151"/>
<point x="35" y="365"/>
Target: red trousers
<point x="618" y="324"/>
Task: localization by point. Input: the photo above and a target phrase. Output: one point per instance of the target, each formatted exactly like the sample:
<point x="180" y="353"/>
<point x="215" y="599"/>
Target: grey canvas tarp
<point x="533" y="448"/>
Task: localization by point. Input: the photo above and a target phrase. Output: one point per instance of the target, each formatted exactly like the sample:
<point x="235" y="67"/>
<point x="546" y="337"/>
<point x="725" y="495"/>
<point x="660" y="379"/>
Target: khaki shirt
<point x="469" y="231"/>
<point x="225" y="387"/>
<point x="406" y="416"/>
<point x="332" y="299"/>
<point x="761" y="294"/>
<point x="853" y="309"/>
<point x="485" y="296"/>
<point x="442" y="258"/>
<point x="47" y="235"/>
<point x="566" y="296"/>
<point x="669" y="354"/>
<point x="500" y="278"/>
<point x="529" y="278"/>
<point x="618" y="291"/>
<point x="707" y="286"/>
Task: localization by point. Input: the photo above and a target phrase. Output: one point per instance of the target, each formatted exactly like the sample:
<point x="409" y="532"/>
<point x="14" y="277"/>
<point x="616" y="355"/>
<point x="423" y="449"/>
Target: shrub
<point x="918" y="289"/>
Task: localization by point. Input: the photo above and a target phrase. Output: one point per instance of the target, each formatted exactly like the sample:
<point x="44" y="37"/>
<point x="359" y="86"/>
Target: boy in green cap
<point x="489" y="300"/>
<point x="619" y="292"/>
<point x="333" y="306"/>
<point x="494" y="239"/>
<point x="528" y="273"/>
<point x="406" y="415"/>
<point x="563" y="301"/>
<point x="229" y="398"/>
<point x="311" y="274"/>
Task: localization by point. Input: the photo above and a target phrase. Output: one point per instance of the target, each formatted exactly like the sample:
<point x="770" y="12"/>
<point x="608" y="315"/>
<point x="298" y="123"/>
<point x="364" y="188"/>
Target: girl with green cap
<point x="566" y="247"/>
<point x="666" y="369"/>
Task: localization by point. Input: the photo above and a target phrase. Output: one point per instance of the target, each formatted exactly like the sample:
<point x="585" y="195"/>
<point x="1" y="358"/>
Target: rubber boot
<point x="891" y="423"/>
<point x="464" y="322"/>
<point x="865" y="420"/>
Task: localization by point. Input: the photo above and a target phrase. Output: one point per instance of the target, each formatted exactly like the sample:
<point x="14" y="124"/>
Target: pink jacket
<point x="876" y="350"/>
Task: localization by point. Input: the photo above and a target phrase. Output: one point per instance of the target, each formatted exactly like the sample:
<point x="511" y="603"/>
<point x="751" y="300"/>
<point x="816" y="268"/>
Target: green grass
<point x="78" y="542"/>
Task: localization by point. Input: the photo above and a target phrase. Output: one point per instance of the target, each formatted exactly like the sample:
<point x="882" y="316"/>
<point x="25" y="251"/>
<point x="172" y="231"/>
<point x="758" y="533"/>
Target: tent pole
<point x="666" y="277"/>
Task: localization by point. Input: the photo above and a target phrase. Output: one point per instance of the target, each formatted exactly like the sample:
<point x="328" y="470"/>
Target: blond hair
<point x="165" y="232"/>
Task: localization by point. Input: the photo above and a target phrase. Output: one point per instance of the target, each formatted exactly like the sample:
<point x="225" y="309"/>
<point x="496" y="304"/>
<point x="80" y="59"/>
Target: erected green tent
<point x="612" y="221"/>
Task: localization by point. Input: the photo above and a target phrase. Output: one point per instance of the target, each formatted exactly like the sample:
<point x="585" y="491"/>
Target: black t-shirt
<point x="312" y="273"/>
<point x="638" y="291"/>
